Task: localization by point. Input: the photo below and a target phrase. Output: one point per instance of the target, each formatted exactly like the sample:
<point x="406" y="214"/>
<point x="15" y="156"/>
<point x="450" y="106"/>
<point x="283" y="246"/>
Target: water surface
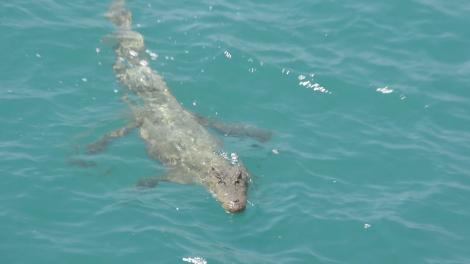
<point x="369" y="103"/>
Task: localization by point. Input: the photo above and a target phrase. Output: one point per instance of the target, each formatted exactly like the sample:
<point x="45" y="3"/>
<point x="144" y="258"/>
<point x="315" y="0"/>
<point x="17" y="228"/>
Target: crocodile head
<point x="229" y="184"/>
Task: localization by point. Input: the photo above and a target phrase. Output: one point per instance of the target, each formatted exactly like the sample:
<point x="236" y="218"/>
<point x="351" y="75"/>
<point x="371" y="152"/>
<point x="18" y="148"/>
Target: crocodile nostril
<point x="235" y="206"/>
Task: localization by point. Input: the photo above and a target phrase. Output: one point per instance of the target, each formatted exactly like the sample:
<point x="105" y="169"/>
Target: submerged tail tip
<point x="119" y="15"/>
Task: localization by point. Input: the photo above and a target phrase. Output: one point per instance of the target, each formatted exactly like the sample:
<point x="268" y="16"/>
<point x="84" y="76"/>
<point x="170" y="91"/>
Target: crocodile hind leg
<point x="235" y="129"/>
<point x="100" y="144"/>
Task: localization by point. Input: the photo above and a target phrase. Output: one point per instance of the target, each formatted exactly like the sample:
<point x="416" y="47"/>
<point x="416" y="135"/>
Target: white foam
<point x="234" y="158"/>
<point x="133" y="53"/>
<point x="227" y="54"/>
<point x="153" y="55"/>
<point x="316" y="87"/>
<point x="195" y="260"/>
<point x="384" y="90"/>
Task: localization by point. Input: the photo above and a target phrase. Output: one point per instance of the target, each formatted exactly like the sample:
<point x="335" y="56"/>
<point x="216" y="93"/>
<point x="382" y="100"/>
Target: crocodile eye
<point x="239" y="177"/>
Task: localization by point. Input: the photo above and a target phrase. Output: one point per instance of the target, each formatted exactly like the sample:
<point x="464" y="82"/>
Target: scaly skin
<point x="173" y="135"/>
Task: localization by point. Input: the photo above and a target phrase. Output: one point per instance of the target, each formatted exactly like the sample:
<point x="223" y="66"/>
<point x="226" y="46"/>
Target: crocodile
<point x="176" y="137"/>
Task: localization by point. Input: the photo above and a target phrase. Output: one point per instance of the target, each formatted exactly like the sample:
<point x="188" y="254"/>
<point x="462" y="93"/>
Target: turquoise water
<point x="353" y="174"/>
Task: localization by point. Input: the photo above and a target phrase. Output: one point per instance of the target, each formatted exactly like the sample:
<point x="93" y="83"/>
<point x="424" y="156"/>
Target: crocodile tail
<point x="119" y="15"/>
